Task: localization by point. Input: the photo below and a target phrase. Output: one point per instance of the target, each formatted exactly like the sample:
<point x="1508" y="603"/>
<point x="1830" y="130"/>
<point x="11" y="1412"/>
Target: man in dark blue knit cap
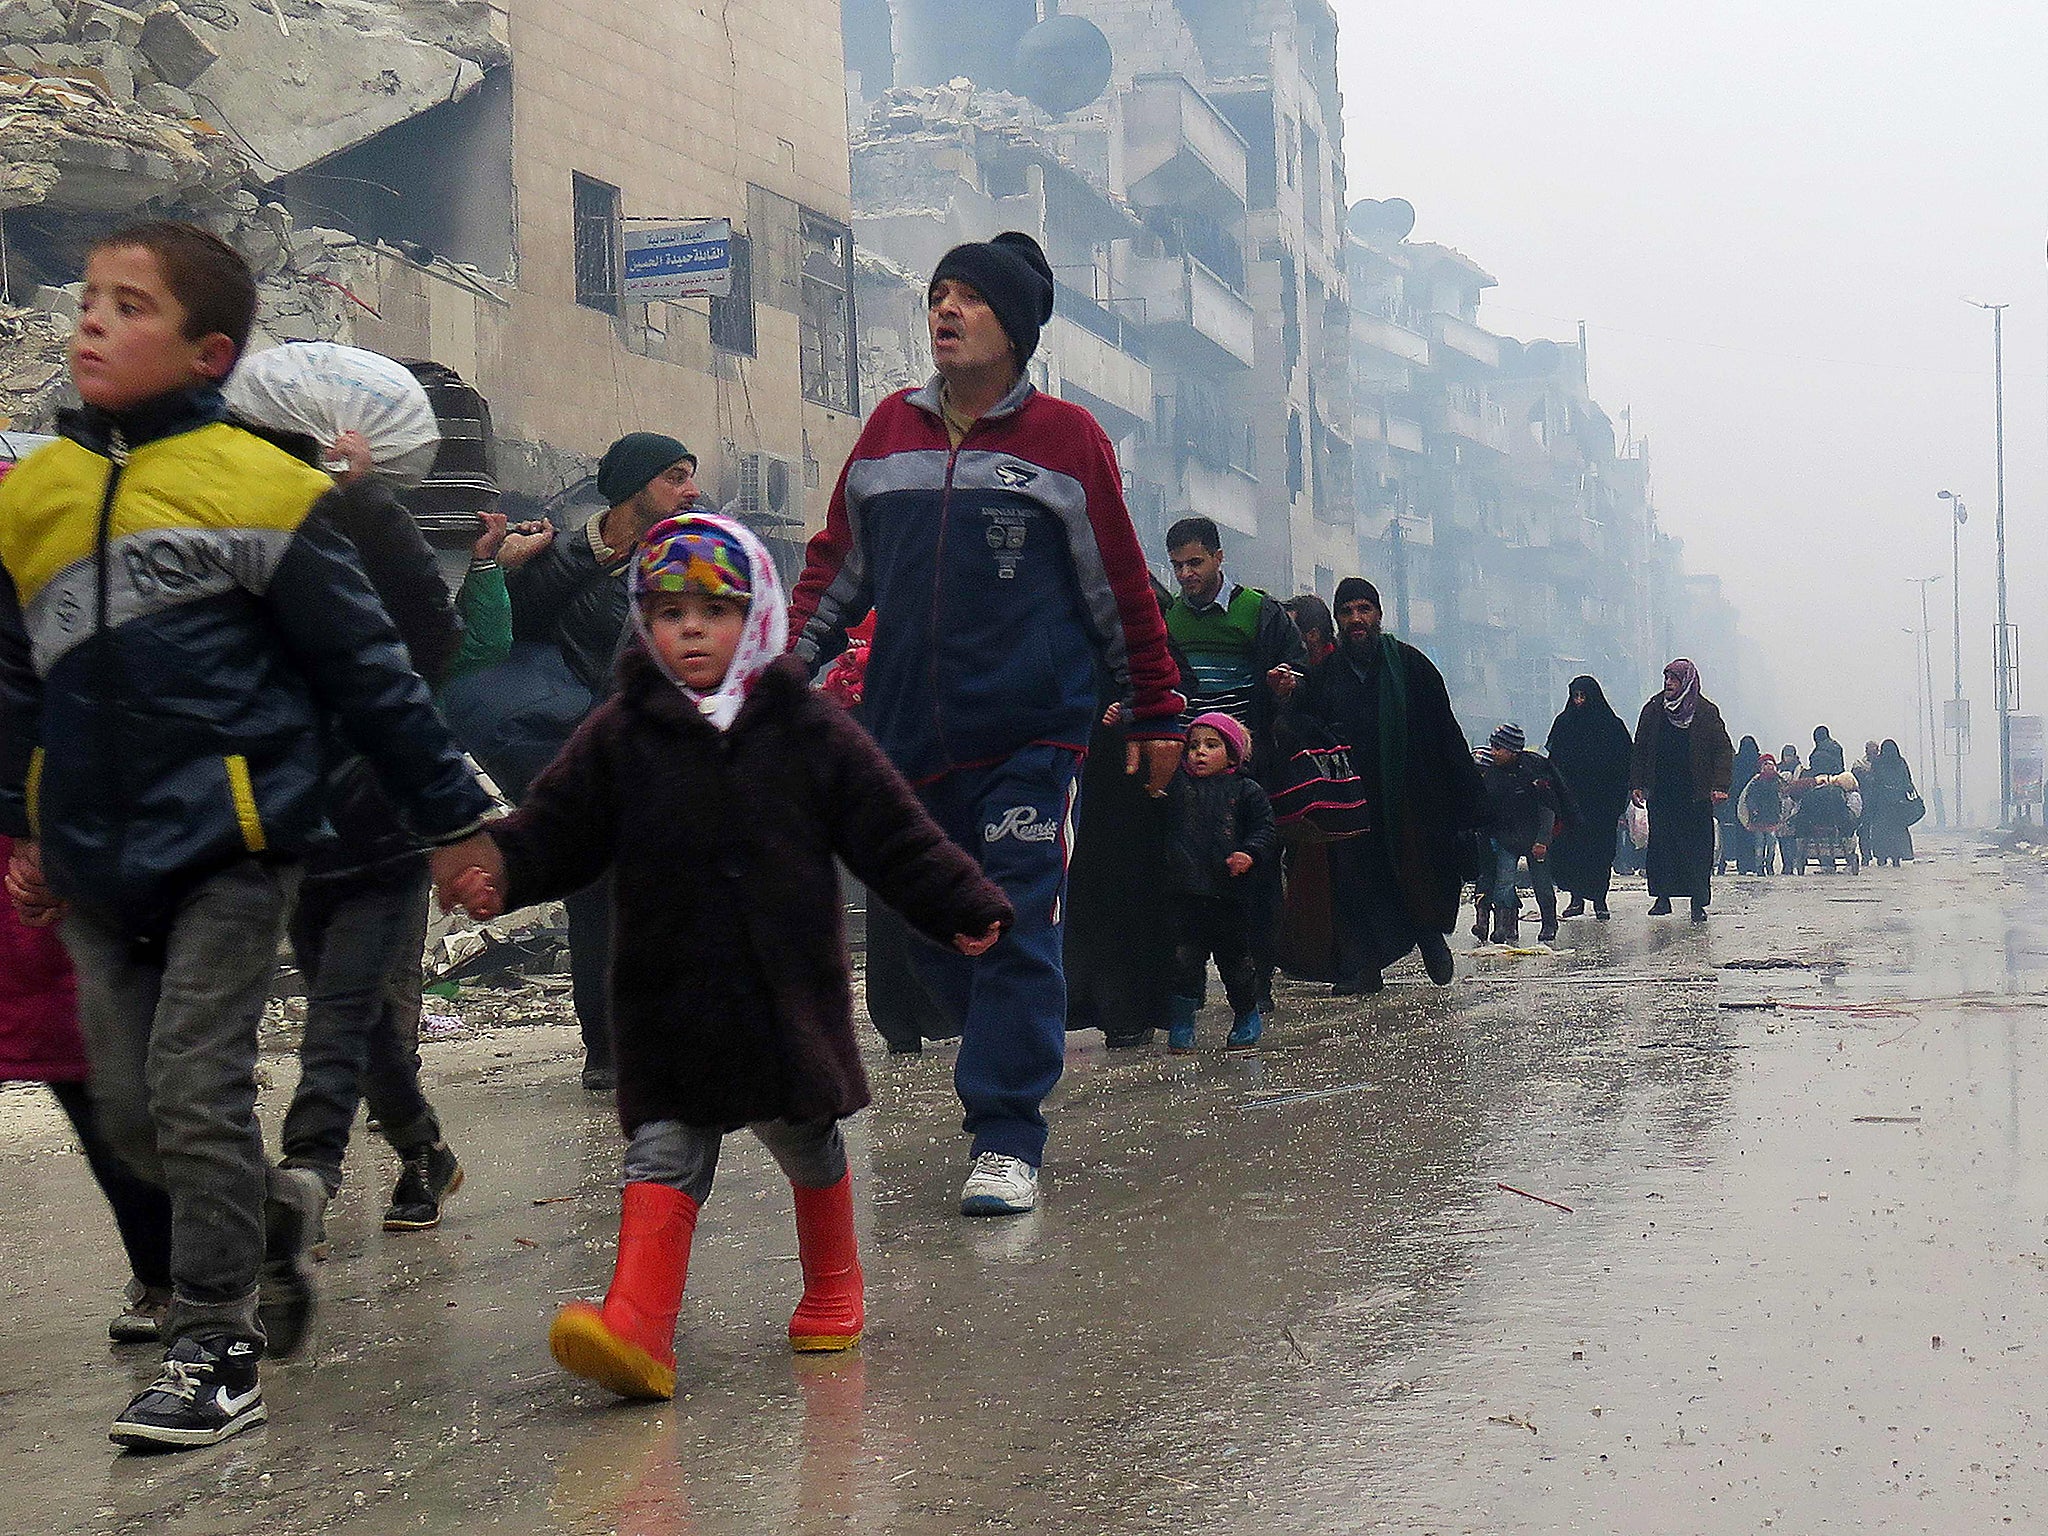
<point x="983" y="524"/>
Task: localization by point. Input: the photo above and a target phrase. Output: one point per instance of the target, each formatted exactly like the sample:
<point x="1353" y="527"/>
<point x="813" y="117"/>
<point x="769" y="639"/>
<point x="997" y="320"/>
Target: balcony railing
<point x="1464" y="339"/>
<point x="1389" y="337"/>
<point x="1092" y="316"/>
<point x="1186" y="306"/>
<point x="1179" y="150"/>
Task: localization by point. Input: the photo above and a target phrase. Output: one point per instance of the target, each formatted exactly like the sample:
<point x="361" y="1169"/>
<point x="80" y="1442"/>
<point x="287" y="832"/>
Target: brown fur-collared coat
<point x="731" y="997"/>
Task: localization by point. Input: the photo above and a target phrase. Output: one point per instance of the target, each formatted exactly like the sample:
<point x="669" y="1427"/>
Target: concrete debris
<point x="98" y="21"/>
<point x="69" y="145"/>
<point x="168" y="100"/>
<point x="342" y="74"/>
<point x="176" y="47"/>
<point x="31" y="21"/>
<point x="33" y="380"/>
<point x="109" y="108"/>
<point x="913" y="109"/>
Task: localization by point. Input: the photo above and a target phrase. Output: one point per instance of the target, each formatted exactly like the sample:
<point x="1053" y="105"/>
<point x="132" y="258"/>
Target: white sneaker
<point x="999" y="1186"/>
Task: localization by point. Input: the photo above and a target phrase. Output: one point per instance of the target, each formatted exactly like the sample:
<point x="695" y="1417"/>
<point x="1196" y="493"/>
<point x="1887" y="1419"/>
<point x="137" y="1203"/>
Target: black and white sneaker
<point x="206" y="1391"/>
<point x="430" y="1176"/>
<point x="294" y="1221"/>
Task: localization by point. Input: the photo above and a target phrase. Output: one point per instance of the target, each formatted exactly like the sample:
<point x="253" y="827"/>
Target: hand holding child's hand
<point x="1113" y="714"/>
<point x="1238" y="864"/>
<point x="469" y="876"/>
<point x="33" y="900"/>
<point x="972" y="945"/>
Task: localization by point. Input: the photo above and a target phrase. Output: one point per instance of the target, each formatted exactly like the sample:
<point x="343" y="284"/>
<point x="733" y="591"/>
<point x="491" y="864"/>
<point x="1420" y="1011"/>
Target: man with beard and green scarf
<point x="1396" y="887"/>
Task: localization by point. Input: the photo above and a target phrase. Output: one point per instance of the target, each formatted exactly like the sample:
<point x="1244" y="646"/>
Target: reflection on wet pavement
<point x="1284" y="1294"/>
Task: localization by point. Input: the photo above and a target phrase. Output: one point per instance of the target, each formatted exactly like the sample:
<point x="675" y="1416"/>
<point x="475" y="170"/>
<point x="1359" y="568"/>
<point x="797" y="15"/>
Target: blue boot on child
<point x="1244" y="1035"/>
<point x="1180" y="1030"/>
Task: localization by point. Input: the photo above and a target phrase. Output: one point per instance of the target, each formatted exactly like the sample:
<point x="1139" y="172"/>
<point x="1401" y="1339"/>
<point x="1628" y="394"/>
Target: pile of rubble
<point x="913" y="109"/>
<point x="190" y="109"/>
<point x="32" y="376"/>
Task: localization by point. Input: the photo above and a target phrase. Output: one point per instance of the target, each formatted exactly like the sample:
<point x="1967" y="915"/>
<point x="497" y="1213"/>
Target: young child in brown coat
<point x="717" y="789"/>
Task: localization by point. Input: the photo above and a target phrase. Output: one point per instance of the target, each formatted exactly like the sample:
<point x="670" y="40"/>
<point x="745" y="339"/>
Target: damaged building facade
<point x="1181" y="161"/>
<point x="455" y="180"/>
<point x="1514" y="533"/>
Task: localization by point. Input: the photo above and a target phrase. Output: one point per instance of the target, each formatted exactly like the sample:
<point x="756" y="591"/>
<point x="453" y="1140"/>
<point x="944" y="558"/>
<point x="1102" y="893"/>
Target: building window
<point x="732" y="317"/>
<point x="825" y="322"/>
<point x="597" y="243"/>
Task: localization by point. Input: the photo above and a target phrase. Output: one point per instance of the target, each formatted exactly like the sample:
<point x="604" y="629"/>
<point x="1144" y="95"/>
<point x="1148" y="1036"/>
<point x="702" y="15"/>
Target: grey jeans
<point x="811" y="1154"/>
<point x="171" y="1033"/>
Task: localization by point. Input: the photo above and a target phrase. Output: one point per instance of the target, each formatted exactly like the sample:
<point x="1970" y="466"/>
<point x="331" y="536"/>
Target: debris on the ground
<point x="1539" y="1199"/>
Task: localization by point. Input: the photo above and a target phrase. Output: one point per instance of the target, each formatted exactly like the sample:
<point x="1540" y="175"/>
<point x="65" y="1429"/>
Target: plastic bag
<point x="323" y="389"/>
<point x="1638" y="826"/>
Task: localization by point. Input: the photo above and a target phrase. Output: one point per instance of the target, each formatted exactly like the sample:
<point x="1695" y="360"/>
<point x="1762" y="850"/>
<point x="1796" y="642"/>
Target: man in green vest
<point x="1244" y="657"/>
<point x="1241" y="646"/>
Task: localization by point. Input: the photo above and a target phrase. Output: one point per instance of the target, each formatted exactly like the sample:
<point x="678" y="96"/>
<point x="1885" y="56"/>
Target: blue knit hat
<point x="1509" y="736"/>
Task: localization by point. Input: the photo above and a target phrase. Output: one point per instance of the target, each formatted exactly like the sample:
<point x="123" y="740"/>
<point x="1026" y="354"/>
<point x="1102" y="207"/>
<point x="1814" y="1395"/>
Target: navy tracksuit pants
<point x="1017" y="818"/>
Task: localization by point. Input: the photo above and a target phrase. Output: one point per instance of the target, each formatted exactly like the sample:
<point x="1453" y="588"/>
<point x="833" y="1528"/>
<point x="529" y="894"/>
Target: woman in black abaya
<point x="1589" y="747"/>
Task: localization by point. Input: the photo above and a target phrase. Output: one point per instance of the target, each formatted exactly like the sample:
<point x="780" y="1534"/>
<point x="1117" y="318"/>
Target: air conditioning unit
<point x="763" y="489"/>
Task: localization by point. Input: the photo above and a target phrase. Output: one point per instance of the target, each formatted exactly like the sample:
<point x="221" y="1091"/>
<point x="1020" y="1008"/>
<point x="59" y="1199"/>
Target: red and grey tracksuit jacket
<point x="1008" y="588"/>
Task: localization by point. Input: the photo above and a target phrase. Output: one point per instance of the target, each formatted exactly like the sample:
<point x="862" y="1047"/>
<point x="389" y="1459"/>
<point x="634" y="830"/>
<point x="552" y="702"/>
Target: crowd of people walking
<point x="242" y="708"/>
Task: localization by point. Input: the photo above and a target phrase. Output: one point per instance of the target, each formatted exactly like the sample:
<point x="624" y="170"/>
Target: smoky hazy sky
<point x="1769" y="217"/>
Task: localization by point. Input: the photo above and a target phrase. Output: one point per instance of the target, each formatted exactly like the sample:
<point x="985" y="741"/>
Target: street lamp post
<point x="2002" y="649"/>
<point x="1931" y="760"/>
<point x="1958" y="723"/>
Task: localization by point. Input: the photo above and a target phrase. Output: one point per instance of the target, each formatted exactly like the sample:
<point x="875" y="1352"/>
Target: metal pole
<point x="2004" y="633"/>
<point x="2001" y="648"/>
<point x="1932" y="755"/>
<point x="1955" y="592"/>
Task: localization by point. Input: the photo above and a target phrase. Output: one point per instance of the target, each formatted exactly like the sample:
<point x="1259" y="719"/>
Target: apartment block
<point x="1512" y="530"/>
<point x="1192" y="207"/>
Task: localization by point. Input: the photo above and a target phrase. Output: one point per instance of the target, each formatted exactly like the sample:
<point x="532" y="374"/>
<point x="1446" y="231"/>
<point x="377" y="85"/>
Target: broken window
<point x="732" y="317"/>
<point x="825" y="322"/>
<point x="597" y="243"/>
<point x="1312" y="179"/>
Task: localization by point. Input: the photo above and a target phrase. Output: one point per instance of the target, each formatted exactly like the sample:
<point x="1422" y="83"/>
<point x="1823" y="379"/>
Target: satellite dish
<point x="1063" y="64"/>
<point x="1511" y="355"/>
<point x="777" y="486"/>
<point x="1540" y="358"/>
<point x="1391" y="219"/>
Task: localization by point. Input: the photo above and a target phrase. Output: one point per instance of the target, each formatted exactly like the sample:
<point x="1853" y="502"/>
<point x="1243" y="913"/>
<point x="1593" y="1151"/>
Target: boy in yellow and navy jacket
<point x="178" y="640"/>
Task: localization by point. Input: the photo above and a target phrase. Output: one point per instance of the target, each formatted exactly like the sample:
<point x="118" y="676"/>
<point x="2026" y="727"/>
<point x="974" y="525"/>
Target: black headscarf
<point x="1589" y="743"/>
<point x="1747" y="756"/>
<point x="1586" y="719"/>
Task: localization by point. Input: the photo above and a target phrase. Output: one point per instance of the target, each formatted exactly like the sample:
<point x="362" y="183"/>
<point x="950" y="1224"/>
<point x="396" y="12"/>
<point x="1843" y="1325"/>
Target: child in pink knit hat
<point x="1219" y="829"/>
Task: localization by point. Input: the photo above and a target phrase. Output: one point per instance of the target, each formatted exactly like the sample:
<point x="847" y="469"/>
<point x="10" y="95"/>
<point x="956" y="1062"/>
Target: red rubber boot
<point x="628" y="1346"/>
<point x="833" y="1311"/>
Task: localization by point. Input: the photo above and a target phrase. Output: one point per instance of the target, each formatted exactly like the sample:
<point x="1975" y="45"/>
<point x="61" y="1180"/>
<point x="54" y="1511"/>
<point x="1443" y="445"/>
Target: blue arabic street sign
<point x="678" y="261"/>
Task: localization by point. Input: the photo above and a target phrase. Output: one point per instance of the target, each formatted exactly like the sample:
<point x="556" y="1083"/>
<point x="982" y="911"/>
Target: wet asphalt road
<point x="1800" y="1285"/>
